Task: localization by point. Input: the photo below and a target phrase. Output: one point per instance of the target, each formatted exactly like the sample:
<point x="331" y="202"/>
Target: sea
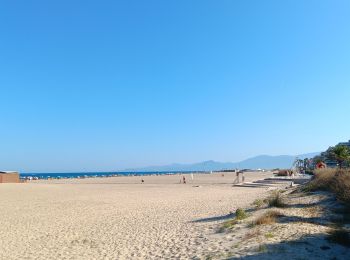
<point x="82" y="175"/>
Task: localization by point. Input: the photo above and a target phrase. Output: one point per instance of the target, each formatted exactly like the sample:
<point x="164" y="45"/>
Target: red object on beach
<point x="321" y="165"/>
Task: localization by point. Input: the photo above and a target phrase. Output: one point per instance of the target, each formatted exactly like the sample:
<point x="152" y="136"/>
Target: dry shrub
<point x="252" y="234"/>
<point x="269" y="217"/>
<point x="313" y="211"/>
<point x="258" y="203"/>
<point x="322" y="180"/>
<point x="335" y="180"/>
<point x="341" y="186"/>
<point x="276" y="200"/>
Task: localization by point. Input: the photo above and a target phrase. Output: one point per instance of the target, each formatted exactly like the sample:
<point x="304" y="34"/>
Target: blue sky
<point x="106" y="85"/>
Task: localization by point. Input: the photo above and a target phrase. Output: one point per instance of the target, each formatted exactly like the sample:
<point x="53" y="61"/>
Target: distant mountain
<point x="258" y="162"/>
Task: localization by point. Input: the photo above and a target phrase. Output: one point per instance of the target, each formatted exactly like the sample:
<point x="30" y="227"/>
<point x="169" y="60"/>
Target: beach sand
<point x="118" y="217"/>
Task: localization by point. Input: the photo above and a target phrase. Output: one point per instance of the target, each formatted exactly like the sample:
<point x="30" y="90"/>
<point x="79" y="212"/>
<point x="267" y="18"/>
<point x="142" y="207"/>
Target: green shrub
<point x="241" y="214"/>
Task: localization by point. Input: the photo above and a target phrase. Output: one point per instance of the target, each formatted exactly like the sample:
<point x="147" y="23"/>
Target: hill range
<point x="257" y="162"/>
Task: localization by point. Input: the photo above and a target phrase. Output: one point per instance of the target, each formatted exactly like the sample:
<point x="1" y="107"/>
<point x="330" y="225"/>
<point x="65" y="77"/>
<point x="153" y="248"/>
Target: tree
<point x="340" y="153"/>
<point x="306" y="164"/>
<point x="298" y="164"/>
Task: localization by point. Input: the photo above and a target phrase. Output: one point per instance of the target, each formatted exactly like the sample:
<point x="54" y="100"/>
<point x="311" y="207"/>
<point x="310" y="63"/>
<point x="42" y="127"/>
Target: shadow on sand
<point x="307" y="247"/>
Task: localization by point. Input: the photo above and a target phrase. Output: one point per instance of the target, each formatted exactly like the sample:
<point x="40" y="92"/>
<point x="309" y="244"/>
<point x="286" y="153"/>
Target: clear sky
<point x="106" y="85"/>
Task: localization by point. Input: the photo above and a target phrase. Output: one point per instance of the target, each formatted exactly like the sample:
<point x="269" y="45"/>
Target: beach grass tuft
<point x="276" y="200"/>
<point x="241" y="214"/>
<point x="252" y="234"/>
<point x="258" y="203"/>
<point x="269" y="235"/>
<point x="268" y="218"/>
<point x="334" y="180"/>
<point x="229" y="224"/>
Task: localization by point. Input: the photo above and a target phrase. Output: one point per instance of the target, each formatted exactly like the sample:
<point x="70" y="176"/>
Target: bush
<point x="334" y="180"/>
<point x="341" y="186"/>
<point x="269" y="217"/>
<point x="241" y="214"/>
<point x="276" y="200"/>
<point x="321" y="180"/>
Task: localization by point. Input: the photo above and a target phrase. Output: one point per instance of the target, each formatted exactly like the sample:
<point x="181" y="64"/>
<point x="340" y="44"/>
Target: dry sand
<point x="119" y="218"/>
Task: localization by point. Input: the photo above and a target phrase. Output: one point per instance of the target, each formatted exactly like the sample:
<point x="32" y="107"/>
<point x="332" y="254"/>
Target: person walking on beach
<point x="184" y="179"/>
<point x="236" y="181"/>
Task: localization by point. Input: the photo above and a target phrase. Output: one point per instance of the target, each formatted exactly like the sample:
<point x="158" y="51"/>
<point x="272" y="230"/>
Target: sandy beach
<point x="120" y="218"/>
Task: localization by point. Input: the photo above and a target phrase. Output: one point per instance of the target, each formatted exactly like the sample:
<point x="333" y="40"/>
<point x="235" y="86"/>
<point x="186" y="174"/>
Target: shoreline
<point x="84" y="175"/>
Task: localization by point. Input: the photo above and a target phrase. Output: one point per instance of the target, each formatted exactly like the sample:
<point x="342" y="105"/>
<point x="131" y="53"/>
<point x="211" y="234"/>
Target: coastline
<point x="83" y="175"/>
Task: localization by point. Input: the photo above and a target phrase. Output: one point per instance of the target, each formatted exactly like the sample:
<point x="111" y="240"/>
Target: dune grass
<point x="276" y="200"/>
<point x="258" y="203"/>
<point x="268" y="218"/>
<point x="334" y="180"/>
<point x="240" y="215"/>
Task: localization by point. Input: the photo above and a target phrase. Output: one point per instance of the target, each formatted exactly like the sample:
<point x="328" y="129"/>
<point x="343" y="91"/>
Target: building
<point x="9" y="177"/>
<point x="345" y="144"/>
<point x="329" y="162"/>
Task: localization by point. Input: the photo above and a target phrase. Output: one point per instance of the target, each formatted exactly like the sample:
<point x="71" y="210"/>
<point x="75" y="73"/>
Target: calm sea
<point x="95" y="174"/>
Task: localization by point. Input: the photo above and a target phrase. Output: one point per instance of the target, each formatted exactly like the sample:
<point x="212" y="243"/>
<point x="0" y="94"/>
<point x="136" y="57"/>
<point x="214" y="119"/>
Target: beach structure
<point x="9" y="177"/>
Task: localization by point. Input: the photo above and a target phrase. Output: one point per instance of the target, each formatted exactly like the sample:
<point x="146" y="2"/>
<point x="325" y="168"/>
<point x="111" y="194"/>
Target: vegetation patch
<point x="269" y="235"/>
<point x="252" y="234"/>
<point x="276" y="200"/>
<point x="268" y="218"/>
<point x="340" y="236"/>
<point x="334" y="180"/>
<point x="241" y="214"/>
<point x="258" y="203"/>
<point x="229" y="224"/>
<point x="262" y="248"/>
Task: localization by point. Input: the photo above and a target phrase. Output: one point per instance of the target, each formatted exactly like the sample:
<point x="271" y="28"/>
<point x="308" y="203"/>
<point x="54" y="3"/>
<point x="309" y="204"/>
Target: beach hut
<point x="9" y="177"/>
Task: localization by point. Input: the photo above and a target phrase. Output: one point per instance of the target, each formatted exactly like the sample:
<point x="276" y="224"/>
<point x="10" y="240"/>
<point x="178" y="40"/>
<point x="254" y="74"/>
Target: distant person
<point x="237" y="178"/>
<point x="142" y="181"/>
<point x="184" y="180"/>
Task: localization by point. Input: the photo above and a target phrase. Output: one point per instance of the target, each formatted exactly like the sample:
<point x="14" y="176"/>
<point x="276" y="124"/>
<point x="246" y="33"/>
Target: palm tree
<point x="298" y="164"/>
<point x="340" y="153"/>
<point x="306" y="164"/>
